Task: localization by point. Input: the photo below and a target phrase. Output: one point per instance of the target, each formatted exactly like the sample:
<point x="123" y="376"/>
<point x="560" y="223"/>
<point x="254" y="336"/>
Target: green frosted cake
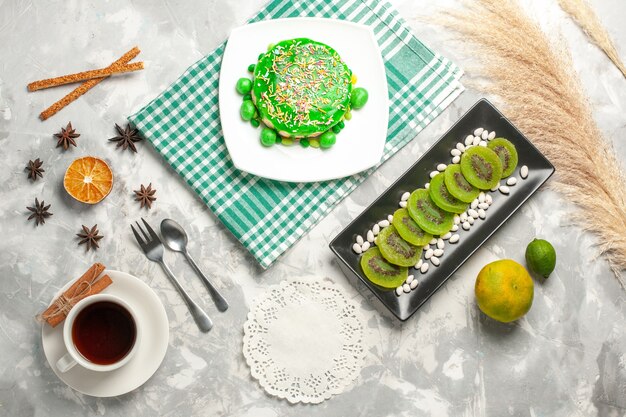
<point x="301" y="88"/>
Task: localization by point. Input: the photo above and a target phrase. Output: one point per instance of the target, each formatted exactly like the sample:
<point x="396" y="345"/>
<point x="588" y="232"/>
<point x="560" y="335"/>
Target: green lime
<point x="541" y="257"/>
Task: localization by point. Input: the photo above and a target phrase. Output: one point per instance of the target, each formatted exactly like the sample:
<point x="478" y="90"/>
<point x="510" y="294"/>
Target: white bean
<point x="457" y="219"/>
<point x="409" y="279"/>
<point x="428" y="254"/>
<point x="376" y="229"/>
<point x="455" y="152"/>
<point x="433" y="173"/>
<point x="495" y="187"/>
<point x="403" y="204"/>
<point x="413" y="284"/>
<point x="370" y="236"/>
<point x="406" y="288"/>
<point x="424" y="268"/>
<point x="405" y="196"/>
<point x="470" y="220"/>
<point x="466" y="226"/>
<point x="438" y="252"/>
<point x="483" y="206"/>
<point x="492" y="135"/>
<point x="488" y="199"/>
<point x="460" y="147"/>
<point x="433" y="241"/>
<point x="482" y="143"/>
<point x="455" y="227"/>
<point x="454" y="238"/>
<point x="456" y="159"/>
<point x="425" y="247"/>
<point x="441" y="167"/>
<point x="365" y="246"/>
<point x="484" y="135"/>
<point x="479" y="131"/>
<point x="390" y="218"/>
<point x="440" y="243"/>
<point x="482" y="214"/>
<point x="357" y="249"/>
<point x="474" y="204"/>
<point x="419" y="263"/>
<point x="473" y="213"/>
<point x="435" y="261"/>
<point x="481" y="197"/>
<point x="523" y="172"/>
<point x="511" y="181"/>
<point x="446" y="236"/>
<point x="469" y="139"/>
<point x="399" y="290"/>
<point x="463" y="217"/>
<point x="427" y="185"/>
<point x="476" y="141"/>
<point x="504" y="189"/>
<point x="359" y="239"/>
<point x="383" y="223"/>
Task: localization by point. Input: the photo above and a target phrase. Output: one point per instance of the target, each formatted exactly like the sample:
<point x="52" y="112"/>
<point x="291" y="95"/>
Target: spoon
<point x="175" y="238"/>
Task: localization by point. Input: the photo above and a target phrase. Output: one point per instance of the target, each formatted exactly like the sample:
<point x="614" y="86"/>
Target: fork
<point x="153" y="248"/>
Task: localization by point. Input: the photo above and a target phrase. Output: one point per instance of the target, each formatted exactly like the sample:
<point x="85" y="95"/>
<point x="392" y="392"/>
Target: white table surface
<point x="565" y="358"/>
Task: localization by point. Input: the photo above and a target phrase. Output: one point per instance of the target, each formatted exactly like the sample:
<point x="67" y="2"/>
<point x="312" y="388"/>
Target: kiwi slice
<point x="427" y="215"/>
<point x="442" y="197"/>
<point x="458" y="186"/>
<point x="408" y="229"/>
<point x="395" y="249"/>
<point x="381" y="272"/>
<point x="481" y="167"/>
<point x="507" y="153"/>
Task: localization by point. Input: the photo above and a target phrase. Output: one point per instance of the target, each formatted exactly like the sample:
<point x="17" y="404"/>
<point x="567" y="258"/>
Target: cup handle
<point x="65" y="363"/>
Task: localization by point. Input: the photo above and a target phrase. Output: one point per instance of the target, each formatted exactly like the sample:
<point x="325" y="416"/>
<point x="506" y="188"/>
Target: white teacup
<point x="73" y="355"/>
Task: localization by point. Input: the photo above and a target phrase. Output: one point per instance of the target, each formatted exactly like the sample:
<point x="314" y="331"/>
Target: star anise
<point x="126" y="137"/>
<point x="66" y="136"/>
<point x="145" y="195"/>
<point x="34" y="169"/>
<point x="39" y="212"/>
<point x="90" y="237"/>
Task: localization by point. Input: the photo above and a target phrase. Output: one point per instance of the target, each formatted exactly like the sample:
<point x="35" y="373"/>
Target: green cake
<point x="301" y="88"/>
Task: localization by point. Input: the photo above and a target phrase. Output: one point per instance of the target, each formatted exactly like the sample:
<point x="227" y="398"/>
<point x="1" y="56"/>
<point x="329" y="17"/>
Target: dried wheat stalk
<point x="584" y="16"/>
<point x="540" y="92"/>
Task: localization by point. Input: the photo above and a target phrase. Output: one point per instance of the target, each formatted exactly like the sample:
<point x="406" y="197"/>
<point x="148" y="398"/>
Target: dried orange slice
<point x="88" y="179"/>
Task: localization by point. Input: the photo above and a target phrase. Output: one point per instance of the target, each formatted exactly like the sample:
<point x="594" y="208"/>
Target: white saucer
<point x="154" y="341"/>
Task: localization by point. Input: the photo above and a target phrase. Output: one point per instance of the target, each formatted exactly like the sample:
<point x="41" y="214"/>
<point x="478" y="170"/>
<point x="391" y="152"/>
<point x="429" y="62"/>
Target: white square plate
<point x="359" y="145"/>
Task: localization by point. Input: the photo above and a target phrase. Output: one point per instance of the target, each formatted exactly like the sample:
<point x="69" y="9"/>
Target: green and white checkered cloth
<point x="268" y="216"/>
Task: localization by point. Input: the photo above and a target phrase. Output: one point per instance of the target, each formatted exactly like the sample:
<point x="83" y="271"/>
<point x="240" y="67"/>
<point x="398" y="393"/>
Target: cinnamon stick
<point x="86" y="86"/>
<point x="88" y="284"/>
<point x="82" y="76"/>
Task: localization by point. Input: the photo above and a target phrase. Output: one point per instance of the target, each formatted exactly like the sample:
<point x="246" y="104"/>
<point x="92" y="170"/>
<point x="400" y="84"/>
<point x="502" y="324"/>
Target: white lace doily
<point x="303" y="340"/>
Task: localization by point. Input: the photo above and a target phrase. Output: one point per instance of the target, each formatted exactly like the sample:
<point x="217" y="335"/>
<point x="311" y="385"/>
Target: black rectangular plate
<point x="482" y="114"/>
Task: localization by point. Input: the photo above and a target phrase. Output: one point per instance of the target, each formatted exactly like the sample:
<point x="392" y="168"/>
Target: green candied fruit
<point x="314" y="143"/>
<point x="247" y="97"/>
<point x="244" y="86"/>
<point x="327" y="139"/>
<point x="255" y="122"/>
<point x="279" y="139"/>
<point x="358" y="98"/>
<point x="304" y="143"/>
<point x="287" y="141"/>
<point x="347" y="116"/>
<point x="336" y="129"/>
<point x="247" y="110"/>
<point x="260" y="56"/>
<point x="268" y="137"/>
<point x="341" y="124"/>
<point x="251" y="67"/>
